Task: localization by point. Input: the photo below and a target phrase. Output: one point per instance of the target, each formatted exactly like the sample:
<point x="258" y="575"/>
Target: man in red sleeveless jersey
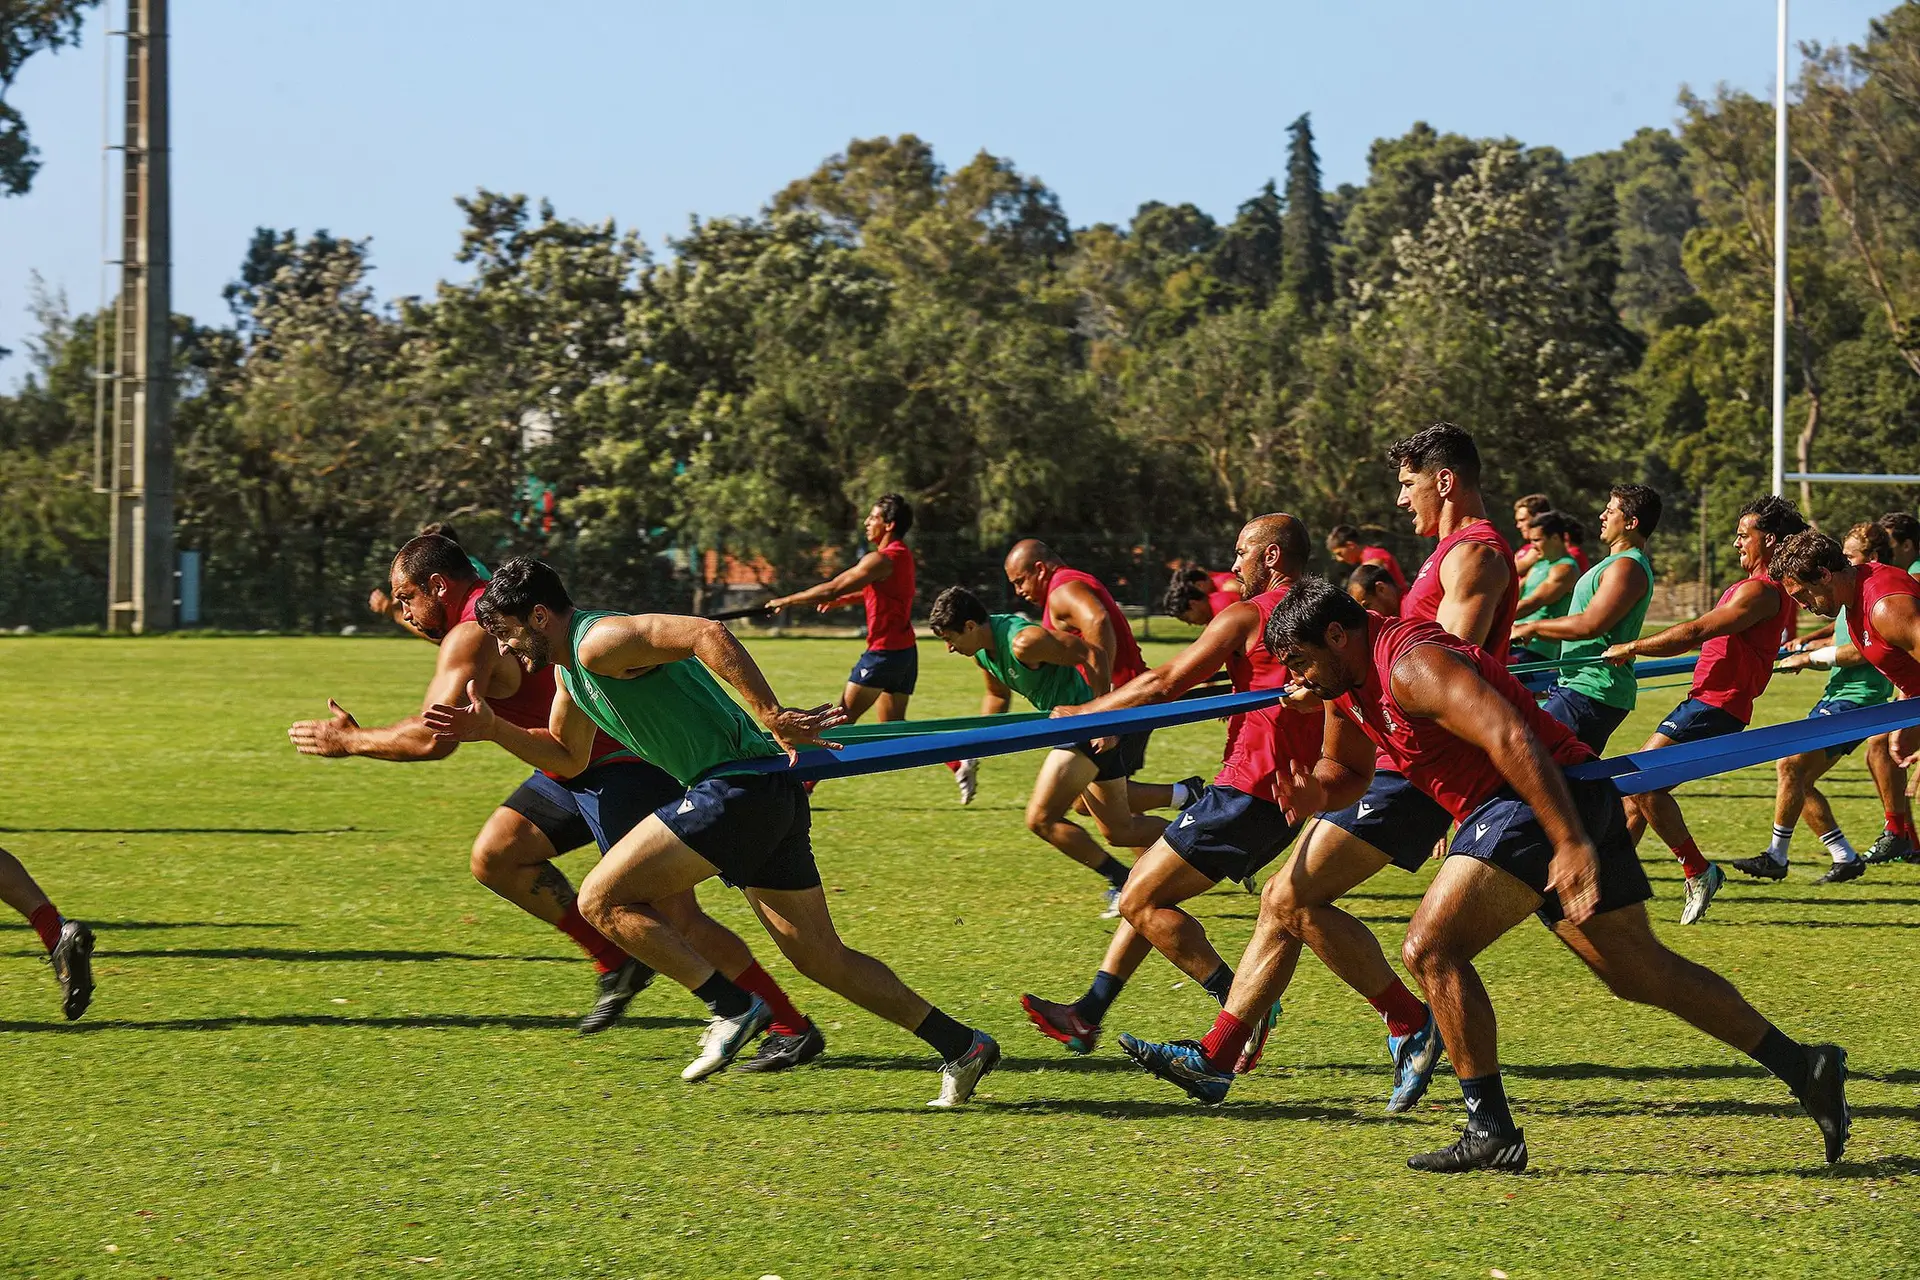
<point x="1738" y="640"/>
<point x="1813" y="569"/>
<point x="1235" y="826"/>
<point x="546" y="816"/>
<point x="1531" y="842"/>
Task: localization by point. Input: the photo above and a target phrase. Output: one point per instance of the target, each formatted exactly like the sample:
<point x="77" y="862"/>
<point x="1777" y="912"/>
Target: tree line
<point x="890" y="323"/>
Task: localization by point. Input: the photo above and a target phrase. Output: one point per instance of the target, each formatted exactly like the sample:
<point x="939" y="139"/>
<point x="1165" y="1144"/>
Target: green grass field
<point x="319" y="1048"/>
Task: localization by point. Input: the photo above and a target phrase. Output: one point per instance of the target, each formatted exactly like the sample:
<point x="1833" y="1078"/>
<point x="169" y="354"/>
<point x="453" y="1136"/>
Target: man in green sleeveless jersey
<point x="1018" y="655"/>
<point x="1608" y="607"/>
<point x="647" y="681"/>
<point x="1547" y="591"/>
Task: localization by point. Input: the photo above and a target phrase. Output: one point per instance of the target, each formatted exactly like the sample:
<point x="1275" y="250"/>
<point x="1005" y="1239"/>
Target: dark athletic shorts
<point x="1124" y="760"/>
<point x="1397" y="818"/>
<point x="755" y="827"/>
<point x="1592" y="721"/>
<point x="888" y="670"/>
<point x="1228" y="834"/>
<point x="1503" y="832"/>
<point x="1833" y="707"/>
<point x="1695" y="721"/>
<point x="596" y="807"/>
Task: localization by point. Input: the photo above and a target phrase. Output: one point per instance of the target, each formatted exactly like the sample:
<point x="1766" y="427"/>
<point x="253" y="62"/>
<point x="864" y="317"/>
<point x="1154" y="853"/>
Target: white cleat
<point x="724" y="1038"/>
<point x="1111" y="897"/>
<point x="958" y="1079"/>
<point x="967" y="776"/>
<point x="1700" y="892"/>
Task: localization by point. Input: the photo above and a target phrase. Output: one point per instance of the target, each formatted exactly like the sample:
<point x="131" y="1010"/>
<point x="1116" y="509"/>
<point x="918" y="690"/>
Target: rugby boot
<point x="724" y="1038"/>
<point x="1111" y="898"/>
<point x="967" y="778"/>
<point x="1061" y="1022"/>
<point x="1503" y="1153"/>
<point x="1841" y="872"/>
<point x="617" y="990"/>
<point x="1257" y="1042"/>
<point x="1890" y="847"/>
<point x="959" y="1078"/>
<point x="1700" y="891"/>
<point x="1825" y="1096"/>
<point x="1181" y="1063"/>
<point x="72" y="961"/>
<point x="1761" y="867"/>
<point x="780" y="1052"/>
<point x="1414" y="1055"/>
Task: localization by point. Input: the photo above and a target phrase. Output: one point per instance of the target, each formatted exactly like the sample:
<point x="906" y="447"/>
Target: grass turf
<point x="319" y="1048"/>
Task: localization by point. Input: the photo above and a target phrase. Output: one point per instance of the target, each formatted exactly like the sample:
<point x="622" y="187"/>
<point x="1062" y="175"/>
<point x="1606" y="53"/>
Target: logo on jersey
<point x="1386" y="718"/>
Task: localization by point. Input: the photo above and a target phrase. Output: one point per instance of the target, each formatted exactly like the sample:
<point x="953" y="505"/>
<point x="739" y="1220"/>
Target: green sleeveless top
<point x="1045" y="686"/>
<point x="675" y="716"/>
<point x="1862" y="685"/>
<point x="1537" y="573"/>
<point x="1604" y="683"/>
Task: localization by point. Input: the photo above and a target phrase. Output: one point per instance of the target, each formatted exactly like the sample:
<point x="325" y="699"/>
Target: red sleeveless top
<point x="1127" y="662"/>
<point x="890" y="603"/>
<point x="1734" y="670"/>
<point x="1455" y="774"/>
<point x="1260" y="742"/>
<point x="1422" y="600"/>
<point x="1877" y="582"/>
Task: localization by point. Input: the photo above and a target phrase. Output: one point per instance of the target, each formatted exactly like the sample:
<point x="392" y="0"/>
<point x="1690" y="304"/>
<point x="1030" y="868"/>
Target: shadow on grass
<point x="1118" y="1108"/>
<point x="1780" y="1108"/>
<point x="178" y="831"/>
<point x="1609" y="1071"/>
<point x="1884" y="1167"/>
<point x="310" y="956"/>
<point x="1008" y="1063"/>
<point x="123" y="926"/>
<point x="398" y="1022"/>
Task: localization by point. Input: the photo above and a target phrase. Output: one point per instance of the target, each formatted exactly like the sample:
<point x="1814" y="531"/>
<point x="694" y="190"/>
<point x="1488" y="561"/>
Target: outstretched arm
<point x="466" y="658"/>
<point x="871" y="567"/>
<point x="1751" y="604"/>
<point x="1226" y="635"/>
<point x="564" y="747"/>
<point x="1559" y="583"/>
<point x="1621" y="586"/>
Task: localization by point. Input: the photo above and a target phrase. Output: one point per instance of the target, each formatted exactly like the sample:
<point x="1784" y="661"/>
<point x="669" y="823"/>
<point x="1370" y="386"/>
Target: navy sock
<point x="1487" y="1105"/>
<point x="1114" y="870"/>
<point x="1219" y="983"/>
<point x="1784" y="1056"/>
<point x="1100" y="996"/>
<point x="948" y="1038"/>
<point x="722" y="997"/>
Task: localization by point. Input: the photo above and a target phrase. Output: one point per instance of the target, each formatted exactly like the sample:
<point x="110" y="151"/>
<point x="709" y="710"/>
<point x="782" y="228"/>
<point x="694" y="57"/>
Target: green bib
<point x="675" y="716"/>
<point x="1537" y="573"/>
<point x="1603" y="682"/>
<point x="1045" y="686"/>
<point x="1862" y="685"/>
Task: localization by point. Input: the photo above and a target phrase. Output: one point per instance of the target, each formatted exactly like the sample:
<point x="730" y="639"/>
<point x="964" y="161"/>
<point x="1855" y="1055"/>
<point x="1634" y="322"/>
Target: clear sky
<point x="366" y="117"/>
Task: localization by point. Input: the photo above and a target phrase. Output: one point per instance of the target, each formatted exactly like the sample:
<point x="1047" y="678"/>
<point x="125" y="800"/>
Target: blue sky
<point x="366" y="117"/>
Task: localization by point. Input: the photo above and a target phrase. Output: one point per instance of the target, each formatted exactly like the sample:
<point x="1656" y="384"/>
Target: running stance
<point x="551" y="813"/>
<point x="1853" y="683"/>
<point x="1738" y="639"/>
<point x="69" y="943"/>
<point x="1344" y="545"/>
<point x="1883" y="601"/>
<point x="1197" y="597"/>
<point x="647" y="680"/>
<point x="1531" y="841"/>
<point x="1608" y="607"/>
<point x="1547" y="591"/>
<point x="883" y="582"/>
<point x="1373" y="587"/>
<point x="1236" y="826"/>
<point x="1017" y="655"/>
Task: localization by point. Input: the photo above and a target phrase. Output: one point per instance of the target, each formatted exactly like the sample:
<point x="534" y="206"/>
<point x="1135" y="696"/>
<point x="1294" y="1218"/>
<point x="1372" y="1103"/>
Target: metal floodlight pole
<point x="1780" y="258"/>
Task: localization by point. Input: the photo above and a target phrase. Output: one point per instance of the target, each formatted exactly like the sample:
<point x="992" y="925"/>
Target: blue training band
<point x="1538" y="680"/>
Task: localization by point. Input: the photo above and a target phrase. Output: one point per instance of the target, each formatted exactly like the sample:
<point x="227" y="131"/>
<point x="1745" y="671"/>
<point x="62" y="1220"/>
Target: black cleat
<point x="1841" y="872"/>
<point x="1502" y="1154"/>
<point x="1890" y="847"/>
<point x="72" y="961"/>
<point x="782" y="1053"/>
<point x="617" y="990"/>
<point x="1761" y="867"/>
<point x="1826" y="1096"/>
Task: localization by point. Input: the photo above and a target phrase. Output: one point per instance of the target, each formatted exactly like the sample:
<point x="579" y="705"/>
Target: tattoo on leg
<point x="553" y="882"/>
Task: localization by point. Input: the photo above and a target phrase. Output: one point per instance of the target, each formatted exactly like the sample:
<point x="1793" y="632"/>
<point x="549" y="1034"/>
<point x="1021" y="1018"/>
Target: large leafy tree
<point x="28" y="27"/>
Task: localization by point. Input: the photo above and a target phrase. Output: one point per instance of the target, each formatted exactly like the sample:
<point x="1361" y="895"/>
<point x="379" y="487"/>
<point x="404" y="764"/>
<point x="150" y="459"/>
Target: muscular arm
<point x="1077" y="609"/>
<point x="1559" y="583"/>
<point x="997" y="697"/>
<point x="466" y="657"/>
<point x="1622" y="586"/>
<point x="1750" y="605"/>
<point x="564" y="747"/>
<point x="1229" y="632"/>
<point x="1036" y="646"/>
<point x="1474" y="579"/>
<point x="871" y="568"/>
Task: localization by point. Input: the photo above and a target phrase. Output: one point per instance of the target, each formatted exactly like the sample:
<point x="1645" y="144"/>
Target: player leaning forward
<point x="647" y="680"/>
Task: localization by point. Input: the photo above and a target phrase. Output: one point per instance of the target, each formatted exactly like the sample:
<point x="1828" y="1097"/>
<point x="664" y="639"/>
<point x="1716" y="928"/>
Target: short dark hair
<point x="1310" y="608"/>
<point x="954" y="608"/>
<point x="1340" y="535"/>
<point x="1806" y="556"/>
<point x="896" y="511"/>
<point x="518" y="587"/>
<point x="1552" y="523"/>
<point x="440" y="527"/>
<point x="1875" y="538"/>
<point x="1440" y="445"/>
<point x="433" y="553"/>
<point x="1775" y="516"/>
<point x="1534" y="503"/>
<point x="1901" y="526"/>
<point x="1369" y="576"/>
<point x="1640" y="504"/>
<point x="1181" y="594"/>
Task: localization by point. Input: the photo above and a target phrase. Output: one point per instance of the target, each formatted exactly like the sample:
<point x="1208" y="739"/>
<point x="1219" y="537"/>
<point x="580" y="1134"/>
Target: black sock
<point x="1114" y="870"/>
<point x="1219" y="983"/>
<point x="1100" y="996"/>
<point x="949" y="1039"/>
<point x="722" y="997"/>
<point x="1784" y="1056"/>
<point x="1487" y="1105"/>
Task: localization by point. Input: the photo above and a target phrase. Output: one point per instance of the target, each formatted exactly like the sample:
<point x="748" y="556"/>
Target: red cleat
<point x="1061" y="1022"/>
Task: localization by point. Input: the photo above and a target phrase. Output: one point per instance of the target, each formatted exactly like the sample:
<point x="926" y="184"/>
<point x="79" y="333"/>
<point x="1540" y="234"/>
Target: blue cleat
<point x="1414" y="1055"/>
<point x="1180" y="1062"/>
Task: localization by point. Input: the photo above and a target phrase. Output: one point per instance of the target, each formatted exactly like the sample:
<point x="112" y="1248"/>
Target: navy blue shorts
<point x="1228" y="834"/>
<point x="1397" y="818"/>
<point x="1504" y="833"/>
<point x="596" y="807"/>
<point x="1591" y="720"/>
<point x="1122" y="760"/>
<point x="755" y="827"/>
<point x="1833" y="707"/>
<point x="888" y="670"/>
<point x="1695" y="721"/>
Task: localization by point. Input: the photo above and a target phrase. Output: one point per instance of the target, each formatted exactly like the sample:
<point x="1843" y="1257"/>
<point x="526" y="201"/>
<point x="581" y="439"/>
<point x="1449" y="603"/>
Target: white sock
<point x="1181" y="796"/>
<point x="1777" y="847"/>
<point x="1836" y="842"/>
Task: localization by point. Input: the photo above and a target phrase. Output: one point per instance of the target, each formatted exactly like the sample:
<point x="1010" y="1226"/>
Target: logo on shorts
<point x="1479" y="831"/>
<point x="1365" y="808"/>
<point x="686" y="806"/>
<point x="1186" y="819"/>
<point x="865" y="670"/>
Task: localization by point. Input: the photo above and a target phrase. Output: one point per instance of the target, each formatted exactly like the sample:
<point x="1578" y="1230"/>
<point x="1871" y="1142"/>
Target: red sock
<point x="1690" y="860"/>
<point x="953" y="766"/>
<point x="1401" y="1008"/>
<point x="1901" y="824"/>
<point x="46" y="923"/>
<point x="787" y="1020"/>
<point x="606" y="957"/>
<point x="1223" y="1044"/>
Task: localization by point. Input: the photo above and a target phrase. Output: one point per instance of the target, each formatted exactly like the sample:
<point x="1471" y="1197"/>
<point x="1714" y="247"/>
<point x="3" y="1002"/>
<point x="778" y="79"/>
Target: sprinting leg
<point x="1793" y="800"/>
<point x="1897" y="838"/>
<point x="1064" y="776"/>
<point x="19" y="891"/>
<point x="69" y="943"/>
<point x="514" y="858"/>
<point x="1110" y="804"/>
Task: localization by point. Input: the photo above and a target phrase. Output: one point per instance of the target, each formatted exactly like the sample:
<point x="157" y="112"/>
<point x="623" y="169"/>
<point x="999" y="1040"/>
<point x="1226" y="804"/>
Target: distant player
<point x="1738" y="639"/>
<point x="1608" y="607"/>
<point x="1345" y="546"/>
<point x="1903" y="535"/>
<point x="1525" y="508"/>
<point x="1197" y="597"/>
<point x="1374" y="589"/>
<point x="648" y="681"/>
<point x="69" y="943"/>
<point x="1547" y="591"/>
<point x="1235" y="827"/>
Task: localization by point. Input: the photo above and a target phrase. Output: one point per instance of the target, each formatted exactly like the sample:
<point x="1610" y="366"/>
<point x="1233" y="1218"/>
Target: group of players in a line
<point x="1398" y="726"/>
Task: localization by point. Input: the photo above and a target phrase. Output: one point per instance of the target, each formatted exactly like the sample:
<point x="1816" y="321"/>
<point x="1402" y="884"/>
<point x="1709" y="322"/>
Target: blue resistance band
<point x="1541" y="679"/>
